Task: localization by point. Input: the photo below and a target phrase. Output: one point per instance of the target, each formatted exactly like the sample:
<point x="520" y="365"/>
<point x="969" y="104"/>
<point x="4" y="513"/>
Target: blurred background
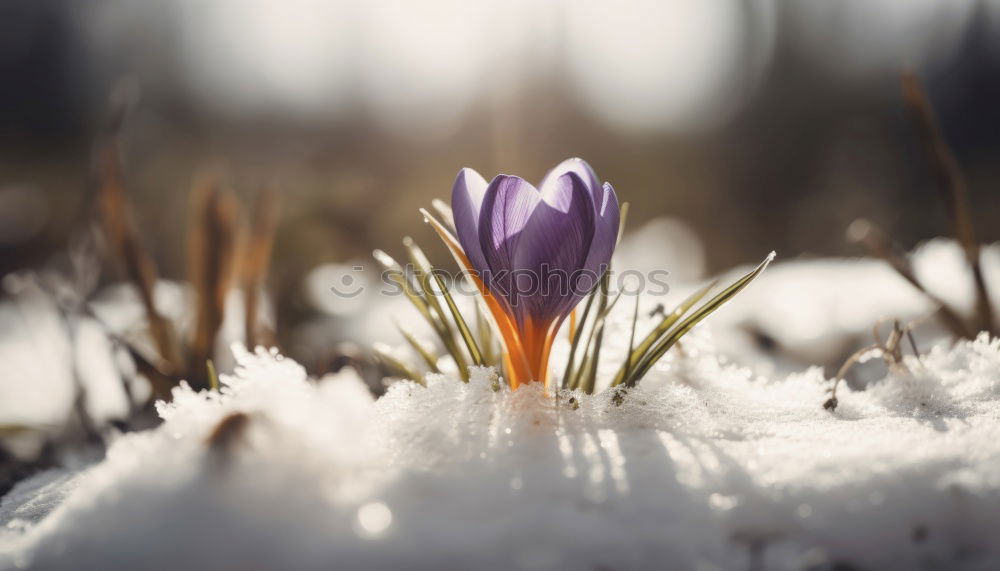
<point x="756" y="124"/>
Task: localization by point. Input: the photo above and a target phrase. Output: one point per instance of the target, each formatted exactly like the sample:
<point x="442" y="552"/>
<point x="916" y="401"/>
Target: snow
<point x="819" y="311"/>
<point x="723" y="457"/>
<point x="46" y="359"/>
<point x="50" y="355"/>
<point x="36" y="352"/>
<point x="704" y="465"/>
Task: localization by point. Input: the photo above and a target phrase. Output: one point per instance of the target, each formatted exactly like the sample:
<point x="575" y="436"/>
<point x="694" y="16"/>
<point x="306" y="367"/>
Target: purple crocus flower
<point x="535" y="252"/>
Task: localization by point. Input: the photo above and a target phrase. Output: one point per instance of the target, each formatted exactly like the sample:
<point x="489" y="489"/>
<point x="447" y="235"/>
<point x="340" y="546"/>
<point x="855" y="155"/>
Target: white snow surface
<point x="819" y="311"/>
<point x="701" y="466"/>
<point x="49" y="355"/>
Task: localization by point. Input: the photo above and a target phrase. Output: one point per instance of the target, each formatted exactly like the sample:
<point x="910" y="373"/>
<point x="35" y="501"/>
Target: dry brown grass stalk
<point x="130" y="254"/>
<point x="212" y="254"/>
<point x="256" y="261"/>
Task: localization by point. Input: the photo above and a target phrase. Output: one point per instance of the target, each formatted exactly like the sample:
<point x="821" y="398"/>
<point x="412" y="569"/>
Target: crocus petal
<point x="605" y="232"/>
<point x="552" y="247"/>
<point x="507" y="206"/>
<point x="466" y="202"/>
<point x="582" y="169"/>
<point x="606" y="214"/>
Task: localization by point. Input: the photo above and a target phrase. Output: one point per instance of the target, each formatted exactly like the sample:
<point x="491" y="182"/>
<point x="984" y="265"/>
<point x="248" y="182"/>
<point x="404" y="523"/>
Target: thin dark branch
<point x="881" y="247"/>
<point x="954" y="191"/>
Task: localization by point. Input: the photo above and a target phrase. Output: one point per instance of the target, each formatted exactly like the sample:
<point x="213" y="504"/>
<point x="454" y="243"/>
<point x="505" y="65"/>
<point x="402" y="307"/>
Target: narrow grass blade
<point x="445" y="331"/>
<point x="631" y="339"/>
<point x="427" y="311"/>
<point x="445" y="212"/>
<point x="398" y="276"/>
<point x="213" y="375"/>
<point x="688" y="323"/>
<point x="569" y="374"/>
<point x="587" y="376"/>
<point x="15" y="429"/>
<point x="428" y="357"/>
<point x="661" y="328"/>
<point x="484" y="330"/>
<point x="622" y="218"/>
<point x="395" y="366"/>
<point x="456" y="315"/>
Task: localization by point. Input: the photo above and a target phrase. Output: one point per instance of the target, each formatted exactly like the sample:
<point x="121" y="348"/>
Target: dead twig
<point x="890" y="350"/>
<point x="879" y="245"/>
<point x="954" y="190"/>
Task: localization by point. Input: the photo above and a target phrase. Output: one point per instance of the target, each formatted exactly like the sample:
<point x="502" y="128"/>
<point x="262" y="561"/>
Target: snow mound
<point x="702" y="466"/>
